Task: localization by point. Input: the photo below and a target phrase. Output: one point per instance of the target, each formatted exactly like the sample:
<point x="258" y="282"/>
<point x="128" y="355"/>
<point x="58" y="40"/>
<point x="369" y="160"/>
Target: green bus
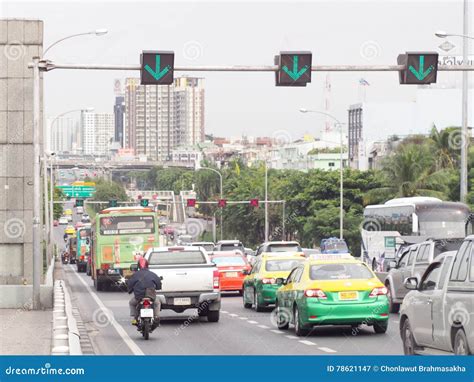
<point x="120" y="235"/>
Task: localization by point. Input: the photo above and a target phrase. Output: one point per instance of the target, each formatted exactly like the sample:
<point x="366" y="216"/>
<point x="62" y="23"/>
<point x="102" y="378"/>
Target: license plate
<point x="147" y="313"/>
<point x="231" y="274"/>
<point x="182" y="301"/>
<point x="348" y="295"/>
<point x="114" y="272"/>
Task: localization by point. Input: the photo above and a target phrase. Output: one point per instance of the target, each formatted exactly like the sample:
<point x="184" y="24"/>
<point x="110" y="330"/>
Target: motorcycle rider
<point x="138" y="284"/>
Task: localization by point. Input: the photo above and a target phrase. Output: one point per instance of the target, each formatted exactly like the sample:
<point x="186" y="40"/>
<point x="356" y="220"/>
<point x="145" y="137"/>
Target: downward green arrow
<point x="295" y="73"/>
<point x="421" y="74"/>
<point x="157" y="73"/>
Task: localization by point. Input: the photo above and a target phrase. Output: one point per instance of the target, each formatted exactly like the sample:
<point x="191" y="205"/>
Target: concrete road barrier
<point x="66" y="338"/>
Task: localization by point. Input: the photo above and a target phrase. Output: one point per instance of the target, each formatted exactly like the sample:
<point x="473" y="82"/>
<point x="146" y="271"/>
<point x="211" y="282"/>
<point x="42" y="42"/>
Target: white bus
<point x="409" y="220"/>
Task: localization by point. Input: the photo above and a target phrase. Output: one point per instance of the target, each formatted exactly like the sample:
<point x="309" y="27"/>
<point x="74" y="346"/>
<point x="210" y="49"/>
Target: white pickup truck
<point x="190" y="280"/>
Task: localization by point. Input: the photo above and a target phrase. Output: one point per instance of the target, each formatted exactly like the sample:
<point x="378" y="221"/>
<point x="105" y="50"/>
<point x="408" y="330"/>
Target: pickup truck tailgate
<point x="184" y="279"/>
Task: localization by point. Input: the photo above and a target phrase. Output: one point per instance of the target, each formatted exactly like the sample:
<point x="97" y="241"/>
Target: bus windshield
<point x="126" y="225"/>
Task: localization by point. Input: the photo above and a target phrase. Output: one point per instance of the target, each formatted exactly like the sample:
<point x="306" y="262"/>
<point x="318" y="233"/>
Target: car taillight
<point x="216" y="283"/>
<point x="268" y="281"/>
<point x="315" y="293"/>
<point x="175" y="249"/>
<point x="378" y="292"/>
<point x="105" y="266"/>
<point x="81" y="258"/>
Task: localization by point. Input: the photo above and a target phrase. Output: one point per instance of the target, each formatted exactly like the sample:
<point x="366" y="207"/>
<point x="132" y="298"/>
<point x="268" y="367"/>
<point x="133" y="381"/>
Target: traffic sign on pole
<point x="421" y="68"/>
<point x="157" y="67"/>
<point x="294" y="68"/>
<point x="77" y="191"/>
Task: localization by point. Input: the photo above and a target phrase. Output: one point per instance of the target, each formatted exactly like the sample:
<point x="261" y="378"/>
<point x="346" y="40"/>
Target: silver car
<point x="437" y="315"/>
<point x="413" y="262"/>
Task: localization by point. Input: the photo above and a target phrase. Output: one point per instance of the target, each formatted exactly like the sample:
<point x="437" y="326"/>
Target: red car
<point x="168" y="230"/>
<point x="231" y="265"/>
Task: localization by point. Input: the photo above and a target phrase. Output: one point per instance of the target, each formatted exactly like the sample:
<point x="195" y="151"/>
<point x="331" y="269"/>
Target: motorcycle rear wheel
<point x="146" y="329"/>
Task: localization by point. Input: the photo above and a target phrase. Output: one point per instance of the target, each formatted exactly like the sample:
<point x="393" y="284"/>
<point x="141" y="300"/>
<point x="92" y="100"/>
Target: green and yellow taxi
<point x="260" y="287"/>
<point x="331" y="290"/>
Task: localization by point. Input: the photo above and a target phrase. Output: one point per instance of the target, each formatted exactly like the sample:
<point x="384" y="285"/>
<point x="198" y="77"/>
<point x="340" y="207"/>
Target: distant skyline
<point x="242" y="33"/>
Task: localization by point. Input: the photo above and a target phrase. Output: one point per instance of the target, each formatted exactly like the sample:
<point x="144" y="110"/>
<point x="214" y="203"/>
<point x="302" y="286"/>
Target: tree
<point x="107" y="190"/>
<point x="58" y="209"/>
<point x="409" y="172"/>
<point x="447" y="146"/>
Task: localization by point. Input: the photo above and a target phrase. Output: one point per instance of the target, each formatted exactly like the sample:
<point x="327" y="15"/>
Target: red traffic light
<point x="254" y="202"/>
<point x="191" y="202"/>
<point x="221" y="203"/>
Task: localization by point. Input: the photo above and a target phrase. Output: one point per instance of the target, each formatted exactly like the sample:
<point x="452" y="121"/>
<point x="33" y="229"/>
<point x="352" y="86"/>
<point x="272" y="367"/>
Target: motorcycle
<point x="65" y="258"/>
<point x="146" y="317"/>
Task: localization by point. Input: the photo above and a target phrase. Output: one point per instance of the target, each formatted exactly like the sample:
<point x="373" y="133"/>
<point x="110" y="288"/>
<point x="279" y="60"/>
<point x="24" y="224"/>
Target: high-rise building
<point x="189" y="109"/>
<point x="62" y="133"/>
<point x="161" y="118"/>
<point x="119" y="111"/>
<point x="97" y="132"/>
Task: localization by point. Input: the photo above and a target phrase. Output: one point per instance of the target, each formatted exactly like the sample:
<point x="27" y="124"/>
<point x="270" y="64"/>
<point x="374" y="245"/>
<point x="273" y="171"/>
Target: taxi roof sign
<point x="331" y="256"/>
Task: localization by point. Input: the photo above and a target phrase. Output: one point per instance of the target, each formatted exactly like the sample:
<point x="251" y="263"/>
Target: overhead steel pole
<point x="267" y="226"/>
<point x="465" y="111"/>
<point x="221" y="193"/>
<point x="51" y="195"/>
<point x="37" y="268"/>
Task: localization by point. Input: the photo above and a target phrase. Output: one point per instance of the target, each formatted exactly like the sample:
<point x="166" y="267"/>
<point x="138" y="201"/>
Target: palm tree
<point x="409" y="172"/>
<point x="447" y="145"/>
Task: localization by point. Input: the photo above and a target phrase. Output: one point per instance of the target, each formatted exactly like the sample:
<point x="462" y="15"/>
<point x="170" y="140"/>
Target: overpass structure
<point x="116" y="166"/>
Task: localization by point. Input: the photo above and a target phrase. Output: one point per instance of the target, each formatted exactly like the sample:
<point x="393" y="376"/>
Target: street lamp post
<point x="45" y="169"/>
<point x="37" y="268"/>
<point x="465" y="99"/>
<point x="267" y="226"/>
<point x="341" y="168"/>
<point x="221" y="192"/>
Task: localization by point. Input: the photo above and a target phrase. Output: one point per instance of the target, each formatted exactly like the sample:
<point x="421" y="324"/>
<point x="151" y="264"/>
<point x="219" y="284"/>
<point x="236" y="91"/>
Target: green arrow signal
<point x="157" y="73"/>
<point x="421" y="74"/>
<point x="295" y="73"/>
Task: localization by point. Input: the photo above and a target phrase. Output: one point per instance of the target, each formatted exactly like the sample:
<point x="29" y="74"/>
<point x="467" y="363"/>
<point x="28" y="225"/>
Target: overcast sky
<point x="247" y="33"/>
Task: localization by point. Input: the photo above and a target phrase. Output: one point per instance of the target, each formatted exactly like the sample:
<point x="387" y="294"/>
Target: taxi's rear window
<point x="282" y="265"/>
<point x="340" y="271"/>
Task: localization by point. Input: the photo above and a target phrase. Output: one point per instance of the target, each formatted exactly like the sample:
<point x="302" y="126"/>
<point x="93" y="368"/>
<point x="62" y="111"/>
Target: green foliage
<point x="335" y="150"/>
<point x="58" y="209"/>
<point x="107" y="190"/>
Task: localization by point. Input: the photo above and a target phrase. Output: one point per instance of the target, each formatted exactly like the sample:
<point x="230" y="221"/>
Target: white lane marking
<point x="252" y="322"/>
<point x="233" y="315"/>
<point x="396" y="322"/>
<point x="243" y="318"/>
<point x="120" y="330"/>
<point x="292" y="337"/>
<point x="224" y="311"/>
<point x="263" y="326"/>
<point x="309" y="343"/>
<point x="327" y="350"/>
<point x="276" y="331"/>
